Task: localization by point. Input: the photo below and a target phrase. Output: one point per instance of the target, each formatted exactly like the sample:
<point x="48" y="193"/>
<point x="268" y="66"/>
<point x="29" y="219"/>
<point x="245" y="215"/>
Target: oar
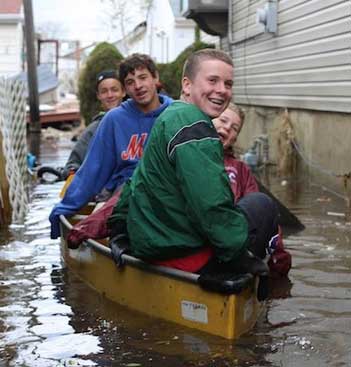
<point x="288" y="221"/>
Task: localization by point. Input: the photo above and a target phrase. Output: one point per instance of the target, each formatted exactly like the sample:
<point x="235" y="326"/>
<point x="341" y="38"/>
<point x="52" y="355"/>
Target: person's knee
<point x="260" y="201"/>
<point x="261" y="212"/>
<point x="267" y="203"/>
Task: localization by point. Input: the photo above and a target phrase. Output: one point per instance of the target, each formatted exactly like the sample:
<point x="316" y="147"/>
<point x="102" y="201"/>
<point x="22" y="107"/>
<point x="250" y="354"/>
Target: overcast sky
<point x="71" y="19"/>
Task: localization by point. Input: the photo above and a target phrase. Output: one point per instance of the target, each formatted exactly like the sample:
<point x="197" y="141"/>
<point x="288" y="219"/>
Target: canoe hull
<point x="165" y="297"/>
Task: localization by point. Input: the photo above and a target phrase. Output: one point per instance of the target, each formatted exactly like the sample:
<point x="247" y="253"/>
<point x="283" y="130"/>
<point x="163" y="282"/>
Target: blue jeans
<point x="262" y="215"/>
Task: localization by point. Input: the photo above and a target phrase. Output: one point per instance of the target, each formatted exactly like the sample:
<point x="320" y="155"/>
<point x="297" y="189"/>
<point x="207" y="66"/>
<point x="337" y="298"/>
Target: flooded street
<point x="48" y="317"/>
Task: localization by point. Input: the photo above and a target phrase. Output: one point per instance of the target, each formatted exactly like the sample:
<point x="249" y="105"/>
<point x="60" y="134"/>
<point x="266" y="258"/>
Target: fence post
<point x="35" y="126"/>
<point x="5" y="206"/>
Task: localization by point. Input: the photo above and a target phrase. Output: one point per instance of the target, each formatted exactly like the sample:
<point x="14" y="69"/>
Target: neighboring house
<point x="11" y="37"/>
<point x="163" y="35"/>
<point x="47" y="84"/>
<point x="301" y="60"/>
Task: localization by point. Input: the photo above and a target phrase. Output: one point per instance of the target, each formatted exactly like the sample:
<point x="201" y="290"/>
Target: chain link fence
<point x="14" y="145"/>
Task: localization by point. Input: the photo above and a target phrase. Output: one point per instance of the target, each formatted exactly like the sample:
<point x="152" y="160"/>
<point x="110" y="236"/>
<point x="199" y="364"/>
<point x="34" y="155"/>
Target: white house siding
<point x="224" y="44"/>
<point x="307" y="64"/>
<point x="10" y="49"/>
<point x="184" y="36"/>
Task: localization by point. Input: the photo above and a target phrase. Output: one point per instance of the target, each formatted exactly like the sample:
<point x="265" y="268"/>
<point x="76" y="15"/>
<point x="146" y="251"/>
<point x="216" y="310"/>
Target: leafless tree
<point x="121" y="15"/>
<point x="52" y="30"/>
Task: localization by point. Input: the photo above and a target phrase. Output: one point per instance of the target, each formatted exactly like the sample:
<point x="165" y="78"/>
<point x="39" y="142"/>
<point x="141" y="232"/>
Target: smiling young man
<point x="110" y="92"/>
<point x="120" y="138"/>
<point x="179" y="202"/>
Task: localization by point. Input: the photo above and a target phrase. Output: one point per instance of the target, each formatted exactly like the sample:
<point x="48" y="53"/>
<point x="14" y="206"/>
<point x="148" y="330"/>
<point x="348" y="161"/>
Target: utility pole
<point x="35" y="127"/>
<point x="77" y="56"/>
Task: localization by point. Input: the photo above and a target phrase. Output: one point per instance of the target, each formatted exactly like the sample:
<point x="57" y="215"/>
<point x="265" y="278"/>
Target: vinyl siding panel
<point x="10" y="49"/>
<point x="307" y="64"/>
<point x="300" y="76"/>
<point x="224" y="44"/>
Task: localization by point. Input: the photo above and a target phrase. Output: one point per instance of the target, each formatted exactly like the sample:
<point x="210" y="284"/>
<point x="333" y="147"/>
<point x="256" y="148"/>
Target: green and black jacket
<point x="179" y="197"/>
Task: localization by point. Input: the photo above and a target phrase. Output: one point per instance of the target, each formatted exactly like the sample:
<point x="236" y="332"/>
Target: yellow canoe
<point x="162" y="292"/>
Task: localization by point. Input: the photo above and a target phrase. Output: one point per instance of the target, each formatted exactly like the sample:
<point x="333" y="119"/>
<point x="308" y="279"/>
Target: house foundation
<point x="320" y="140"/>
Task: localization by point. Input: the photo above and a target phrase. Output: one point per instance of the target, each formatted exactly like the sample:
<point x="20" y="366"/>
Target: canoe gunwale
<point x="150" y="268"/>
<point x="133" y="261"/>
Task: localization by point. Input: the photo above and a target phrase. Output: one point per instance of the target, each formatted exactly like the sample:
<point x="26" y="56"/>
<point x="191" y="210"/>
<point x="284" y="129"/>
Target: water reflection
<point x="36" y="325"/>
<point x="48" y="317"/>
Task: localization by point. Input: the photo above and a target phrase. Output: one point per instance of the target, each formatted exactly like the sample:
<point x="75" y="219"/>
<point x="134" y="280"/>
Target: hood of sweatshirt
<point x="130" y="105"/>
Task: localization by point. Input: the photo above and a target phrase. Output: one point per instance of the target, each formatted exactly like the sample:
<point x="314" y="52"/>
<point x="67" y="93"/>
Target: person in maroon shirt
<point x="228" y="126"/>
<point x="243" y="182"/>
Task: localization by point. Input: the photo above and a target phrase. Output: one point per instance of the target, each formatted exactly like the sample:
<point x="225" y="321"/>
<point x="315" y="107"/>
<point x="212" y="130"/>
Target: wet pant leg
<point x="262" y="216"/>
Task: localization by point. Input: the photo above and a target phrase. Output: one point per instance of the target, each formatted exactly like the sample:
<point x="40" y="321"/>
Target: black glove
<point x="249" y="263"/>
<point x="224" y="282"/>
<point x="119" y="245"/>
<point x="234" y="277"/>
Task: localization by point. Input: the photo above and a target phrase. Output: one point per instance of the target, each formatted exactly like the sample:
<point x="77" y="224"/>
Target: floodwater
<point x="50" y="318"/>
